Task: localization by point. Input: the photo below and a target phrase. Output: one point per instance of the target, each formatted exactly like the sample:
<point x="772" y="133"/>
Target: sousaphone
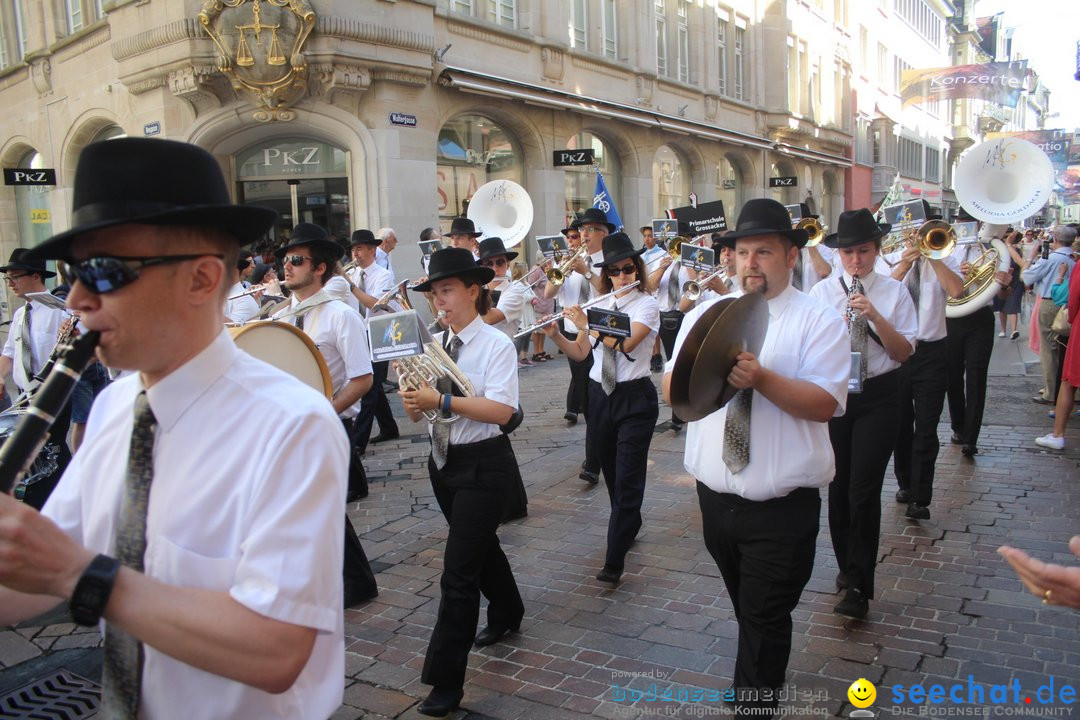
<point x="501" y="208"/>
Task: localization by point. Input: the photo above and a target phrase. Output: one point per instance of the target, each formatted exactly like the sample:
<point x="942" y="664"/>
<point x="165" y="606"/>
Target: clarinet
<point x="30" y="435"/>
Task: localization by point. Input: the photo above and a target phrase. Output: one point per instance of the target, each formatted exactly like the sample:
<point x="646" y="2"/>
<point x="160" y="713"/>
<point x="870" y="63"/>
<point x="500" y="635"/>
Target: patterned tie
<point x="673" y="291"/>
<point x="737" y="431"/>
<point x="440" y="438"/>
<point x="913" y="279"/>
<point x="857" y="327"/>
<point x="583" y="291"/>
<point x="122" y="671"/>
<point x="363" y="280"/>
<point x="27" y="345"/>
<point x="608" y="374"/>
<point x="298" y="321"/>
<point x="797" y="275"/>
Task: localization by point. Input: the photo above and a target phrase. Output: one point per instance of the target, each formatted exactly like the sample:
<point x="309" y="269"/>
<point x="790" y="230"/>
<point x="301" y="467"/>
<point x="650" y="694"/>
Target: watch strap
<point x="93" y="589"/>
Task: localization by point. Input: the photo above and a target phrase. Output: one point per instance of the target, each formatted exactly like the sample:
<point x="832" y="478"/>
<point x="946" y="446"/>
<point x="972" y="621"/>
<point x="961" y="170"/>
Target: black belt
<point x="480" y="447"/>
<point x="803" y="493"/>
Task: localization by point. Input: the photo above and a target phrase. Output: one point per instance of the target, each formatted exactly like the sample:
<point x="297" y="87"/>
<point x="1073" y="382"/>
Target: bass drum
<point x="286" y="348"/>
<point x="45" y="465"/>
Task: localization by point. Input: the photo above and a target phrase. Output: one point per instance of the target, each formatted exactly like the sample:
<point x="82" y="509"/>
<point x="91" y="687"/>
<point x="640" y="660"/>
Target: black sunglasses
<point x="624" y="270"/>
<point x="297" y="260"/>
<point x="496" y="261"/>
<point x="109" y="273"/>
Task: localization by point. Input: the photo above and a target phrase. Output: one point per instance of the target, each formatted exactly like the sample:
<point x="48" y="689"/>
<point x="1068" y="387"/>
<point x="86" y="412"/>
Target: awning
<point x="481" y="83"/>
<point x="815" y="155"/>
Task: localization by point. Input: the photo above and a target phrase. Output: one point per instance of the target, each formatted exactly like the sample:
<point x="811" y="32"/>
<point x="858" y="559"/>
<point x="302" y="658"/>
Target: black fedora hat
<point x="463" y="226"/>
<point x="493" y="247"/>
<point x="592" y="216"/>
<point x="856" y="227"/>
<point x="454" y="262"/>
<point x="18" y="261"/>
<point x="312" y="236"/>
<point x="618" y="246"/>
<point x="152" y="182"/>
<point x="364" y="237"/>
<point x="764" y="216"/>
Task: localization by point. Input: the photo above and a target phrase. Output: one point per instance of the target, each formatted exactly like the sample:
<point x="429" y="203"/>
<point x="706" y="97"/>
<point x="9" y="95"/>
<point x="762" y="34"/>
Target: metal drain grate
<point x="60" y="696"/>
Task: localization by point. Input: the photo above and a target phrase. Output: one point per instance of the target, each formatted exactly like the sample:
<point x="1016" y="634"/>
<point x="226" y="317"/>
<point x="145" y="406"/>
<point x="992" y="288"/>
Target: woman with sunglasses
<point x="622" y="398"/>
<point x="469" y="465"/>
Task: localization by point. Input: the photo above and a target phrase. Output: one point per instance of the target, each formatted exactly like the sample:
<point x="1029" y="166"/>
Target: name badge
<point x="854" y="383"/>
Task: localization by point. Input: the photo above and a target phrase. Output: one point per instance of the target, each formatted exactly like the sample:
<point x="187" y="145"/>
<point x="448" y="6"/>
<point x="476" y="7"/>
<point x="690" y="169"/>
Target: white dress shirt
<point x="931" y="296"/>
<point x="512" y="299"/>
<point x="570" y="295"/>
<point x="642" y="309"/>
<point x="806" y="340"/>
<point x="891" y="299"/>
<point x="663" y="292"/>
<point x="810" y="276"/>
<point x="489" y="360"/>
<point x="264" y="526"/>
<point x="709" y="294"/>
<point x="382" y="259"/>
<point x="341" y="336"/>
<point x="45" y="325"/>
<point x="338" y="287"/>
<point x="377" y="281"/>
<point x="240" y="309"/>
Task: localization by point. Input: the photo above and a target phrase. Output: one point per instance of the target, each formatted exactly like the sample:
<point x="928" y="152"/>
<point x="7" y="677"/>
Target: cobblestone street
<point x="949" y="611"/>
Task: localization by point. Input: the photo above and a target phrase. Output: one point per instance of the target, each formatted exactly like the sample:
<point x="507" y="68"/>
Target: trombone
<point x="935" y="239"/>
<point x="557" y="275"/>
<point x="560" y="315"/>
<point x="814" y="229"/>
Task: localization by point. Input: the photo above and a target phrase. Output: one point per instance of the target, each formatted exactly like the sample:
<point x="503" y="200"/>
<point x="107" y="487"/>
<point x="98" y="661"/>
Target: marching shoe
<point x="854" y="605"/>
<point x="842" y="582"/>
<point x="384" y="437"/>
<point x="491" y="635"/>
<point x="441" y="702"/>
<point x="589" y="476"/>
<point x="915" y="511"/>
<point x="570" y="417"/>
<point x="956" y="439"/>
<point x="969" y="451"/>
<point x="902" y="496"/>
<point x="609" y="574"/>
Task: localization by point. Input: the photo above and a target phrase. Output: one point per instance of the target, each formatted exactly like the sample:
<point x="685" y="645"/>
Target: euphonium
<point x="813" y="228"/>
<point x="430" y="367"/>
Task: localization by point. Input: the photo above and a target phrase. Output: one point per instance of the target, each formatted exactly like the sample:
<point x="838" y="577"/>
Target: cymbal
<point x="681" y="399"/>
<point x="739" y="326"/>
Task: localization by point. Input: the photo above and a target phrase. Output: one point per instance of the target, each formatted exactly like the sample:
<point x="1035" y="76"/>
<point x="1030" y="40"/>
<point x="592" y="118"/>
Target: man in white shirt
<point x="760" y="513"/>
<point x="815" y="263"/>
<point x="371" y="282"/>
<point x="382" y="253"/>
<point x="30" y="342"/>
<point x="241" y="307"/>
<point x="224" y="598"/>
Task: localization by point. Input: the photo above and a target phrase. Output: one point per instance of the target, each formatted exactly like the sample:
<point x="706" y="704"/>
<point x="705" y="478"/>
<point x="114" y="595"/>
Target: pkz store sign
<point x="783" y="182"/>
<point x="26" y="176"/>
<point x="291" y="158"/>
<point x="564" y="158"/>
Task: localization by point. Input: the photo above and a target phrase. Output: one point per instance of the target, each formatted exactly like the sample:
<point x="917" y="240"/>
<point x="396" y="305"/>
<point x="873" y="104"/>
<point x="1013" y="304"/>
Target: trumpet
<point x="559" y="316"/>
<point x="557" y="275"/>
<point x="814" y="229"/>
<point x="935" y="239"/>
<point x="692" y="289"/>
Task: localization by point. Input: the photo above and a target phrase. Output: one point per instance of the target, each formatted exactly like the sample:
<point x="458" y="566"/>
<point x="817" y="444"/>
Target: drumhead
<point x="286" y="348"/>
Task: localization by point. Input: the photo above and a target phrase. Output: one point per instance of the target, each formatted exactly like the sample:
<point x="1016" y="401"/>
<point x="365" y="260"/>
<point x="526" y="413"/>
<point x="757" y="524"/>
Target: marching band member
<point x="245" y="307"/>
<point x="669" y="279"/>
<point x="923" y="378"/>
<point x="593" y="225"/>
<point x="878" y="309"/>
<point x="758" y="487"/>
<point x="622" y="398"/>
<point x="463" y="234"/>
<point x="574" y="291"/>
<point x="815" y="263"/>
<point x="369" y="281"/>
<point x="468" y="466"/>
<point x="506" y="316"/>
<point x="310" y="258"/>
<point x="970" y="341"/>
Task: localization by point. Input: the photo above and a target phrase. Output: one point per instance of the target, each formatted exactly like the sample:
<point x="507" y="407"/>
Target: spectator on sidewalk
<point x="1042" y="274"/>
<point x="1070" y="371"/>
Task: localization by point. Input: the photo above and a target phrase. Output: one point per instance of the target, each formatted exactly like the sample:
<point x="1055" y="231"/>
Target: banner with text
<point x="998" y="83"/>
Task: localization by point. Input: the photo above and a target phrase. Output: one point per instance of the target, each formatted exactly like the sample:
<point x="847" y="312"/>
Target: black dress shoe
<point x="570" y="417"/>
<point x="842" y="582"/>
<point x="589" y="476"/>
<point x="956" y="439"/>
<point x="384" y="437"/>
<point x="441" y="702"/>
<point x="969" y="450"/>
<point x="491" y="635"/>
<point x="677" y="425"/>
<point x="354" y="495"/>
<point x="902" y="496"/>
<point x="609" y="574"/>
<point x="915" y="511"/>
<point x="854" y="604"/>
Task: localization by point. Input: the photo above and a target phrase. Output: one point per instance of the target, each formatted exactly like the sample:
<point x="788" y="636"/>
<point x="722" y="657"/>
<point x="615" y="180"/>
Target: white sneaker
<point x="1001" y="334"/>
<point x="1049" y="441"/>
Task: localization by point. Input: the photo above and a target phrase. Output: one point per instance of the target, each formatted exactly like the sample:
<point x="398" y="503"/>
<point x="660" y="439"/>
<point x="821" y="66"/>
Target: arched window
<point x="472" y="150"/>
<point x="730" y="188"/>
<point x="33" y="206"/>
<point x="581" y="179"/>
<point x="109" y="132"/>
<point x="670" y="182"/>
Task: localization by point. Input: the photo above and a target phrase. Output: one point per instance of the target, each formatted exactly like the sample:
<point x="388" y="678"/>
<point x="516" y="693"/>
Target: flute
<point x="559" y="316"/>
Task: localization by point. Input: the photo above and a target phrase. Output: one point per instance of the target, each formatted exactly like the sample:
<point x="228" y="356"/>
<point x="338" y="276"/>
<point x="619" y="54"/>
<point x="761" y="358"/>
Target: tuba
<point x="502" y="208"/>
<point x="980" y="282"/>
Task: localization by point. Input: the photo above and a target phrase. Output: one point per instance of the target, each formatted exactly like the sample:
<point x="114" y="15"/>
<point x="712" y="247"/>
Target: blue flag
<point x="602" y="200"/>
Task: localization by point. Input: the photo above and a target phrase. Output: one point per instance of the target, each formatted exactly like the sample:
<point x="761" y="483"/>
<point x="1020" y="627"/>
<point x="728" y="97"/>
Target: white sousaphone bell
<point x="999" y="182"/>
<point x="501" y="208"/>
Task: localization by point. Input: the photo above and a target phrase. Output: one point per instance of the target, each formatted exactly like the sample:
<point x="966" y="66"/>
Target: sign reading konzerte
<point x="564" y="158"/>
<point x="998" y="83"/>
<point x="27" y="176"/>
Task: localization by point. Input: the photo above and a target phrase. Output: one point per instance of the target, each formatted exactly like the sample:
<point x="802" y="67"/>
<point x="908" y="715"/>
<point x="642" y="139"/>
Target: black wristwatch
<point x="93" y="589"/>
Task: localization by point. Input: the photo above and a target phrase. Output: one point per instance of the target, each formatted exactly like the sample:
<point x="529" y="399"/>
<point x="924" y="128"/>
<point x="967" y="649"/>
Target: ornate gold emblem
<point x="259" y="44"/>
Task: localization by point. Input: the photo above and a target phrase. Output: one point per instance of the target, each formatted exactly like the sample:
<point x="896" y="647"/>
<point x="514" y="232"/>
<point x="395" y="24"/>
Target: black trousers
<point x="577" y="392"/>
<point x="374" y="406"/>
<point x="922" y="397"/>
<point x="620" y="430"/>
<point x="358" y="484"/>
<point x="970" y="341"/>
<point x="862" y="441"/>
<point x="667" y="339"/>
<point x="357" y="574"/>
<point x="471" y="491"/>
<point x="765" y="553"/>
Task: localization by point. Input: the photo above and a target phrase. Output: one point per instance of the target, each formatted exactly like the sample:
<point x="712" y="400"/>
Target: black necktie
<point x="27" y="345"/>
<point x="122" y="669"/>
